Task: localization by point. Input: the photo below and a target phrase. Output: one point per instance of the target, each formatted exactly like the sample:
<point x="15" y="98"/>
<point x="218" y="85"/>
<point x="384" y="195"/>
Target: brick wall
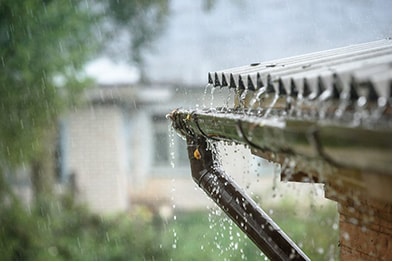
<point x="365" y="229"/>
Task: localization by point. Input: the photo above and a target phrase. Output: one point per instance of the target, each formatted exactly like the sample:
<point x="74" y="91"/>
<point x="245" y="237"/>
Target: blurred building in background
<point x="117" y="150"/>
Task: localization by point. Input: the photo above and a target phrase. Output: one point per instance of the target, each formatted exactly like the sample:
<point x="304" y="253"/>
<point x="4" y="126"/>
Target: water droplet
<point x="353" y="220"/>
<point x="361" y="101"/>
<point x="346" y="236"/>
<point x="382" y="101"/>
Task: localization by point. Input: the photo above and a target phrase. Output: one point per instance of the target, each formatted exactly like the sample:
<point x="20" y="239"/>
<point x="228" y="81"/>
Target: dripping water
<point x="212" y="96"/>
<point x="243" y="98"/>
<point x="342" y="107"/>
<point x="171" y="135"/>
<point x="272" y="104"/>
<point x="174" y="232"/>
<point x="255" y="101"/>
<point x="323" y="109"/>
<point x="361" y="111"/>
<point x="298" y="105"/>
<point x="231" y="95"/>
<point x="204" y="95"/>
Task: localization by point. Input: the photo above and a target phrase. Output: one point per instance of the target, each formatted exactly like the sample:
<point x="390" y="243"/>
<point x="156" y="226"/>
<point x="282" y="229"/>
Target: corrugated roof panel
<point x="369" y="62"/>
<point x="305" y="59"/>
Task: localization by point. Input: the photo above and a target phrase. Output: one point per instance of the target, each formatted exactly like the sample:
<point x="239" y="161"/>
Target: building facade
<point x="119" y="150"/>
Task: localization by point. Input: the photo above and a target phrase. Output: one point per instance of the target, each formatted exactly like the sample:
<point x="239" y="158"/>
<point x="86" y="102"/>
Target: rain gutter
<point x="328" y="111"/>
<point x="248" y="216"/>
<point x="322" y="143"/>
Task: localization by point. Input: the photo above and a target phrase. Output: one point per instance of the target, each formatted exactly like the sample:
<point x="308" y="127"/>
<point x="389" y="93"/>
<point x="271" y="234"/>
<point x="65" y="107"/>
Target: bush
<point x="202" y="235"/>
<point x="71" y="232"/>
<point x="62" y="230"/>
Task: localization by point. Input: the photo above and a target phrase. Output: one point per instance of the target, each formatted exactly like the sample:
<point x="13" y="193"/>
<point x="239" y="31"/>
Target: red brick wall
<point x="365" y="230"/>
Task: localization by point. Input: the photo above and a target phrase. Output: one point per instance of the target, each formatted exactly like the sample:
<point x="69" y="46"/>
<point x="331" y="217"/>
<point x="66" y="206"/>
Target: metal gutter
<point x="249" y="217"/>
<point x="337" y="145"/>
<point x="329" y="111"/>
<point x="333" y="105"/>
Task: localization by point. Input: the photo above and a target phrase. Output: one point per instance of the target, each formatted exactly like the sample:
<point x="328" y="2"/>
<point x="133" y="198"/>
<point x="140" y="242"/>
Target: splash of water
<point x="255" y="101"/>
<point x="231" y="95"/>
<point x="272" y="104"/>
<point x="244" y="95"/>
<point x="212" y="96"/>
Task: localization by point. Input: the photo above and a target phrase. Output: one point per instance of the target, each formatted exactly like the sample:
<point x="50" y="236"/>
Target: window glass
<point x="168" y="147"/>
<point x="161" y="150"/>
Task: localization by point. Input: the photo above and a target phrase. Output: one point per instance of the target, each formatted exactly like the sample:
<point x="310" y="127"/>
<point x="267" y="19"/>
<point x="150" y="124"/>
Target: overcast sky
<point x="236" y="33"/>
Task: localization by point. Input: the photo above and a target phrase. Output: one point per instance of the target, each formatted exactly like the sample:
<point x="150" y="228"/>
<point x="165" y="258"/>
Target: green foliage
<point x="43" y="46"/>
<point x="144" y="20"/>
<point x="66" y="231"/>
<point x="212" y="236"/>
<point x="209" y="236"/>
<point x="39" y="42"/>
<point x="314" y="229"/>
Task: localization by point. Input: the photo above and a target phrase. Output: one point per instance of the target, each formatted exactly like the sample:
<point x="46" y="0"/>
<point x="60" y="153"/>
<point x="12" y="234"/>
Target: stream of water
<point x="273" y="109"/>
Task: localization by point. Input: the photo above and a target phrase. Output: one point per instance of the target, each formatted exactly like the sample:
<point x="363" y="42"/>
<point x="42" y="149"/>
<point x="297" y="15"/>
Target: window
<point x="169" y="148"/>
<point x="161" y="143"/>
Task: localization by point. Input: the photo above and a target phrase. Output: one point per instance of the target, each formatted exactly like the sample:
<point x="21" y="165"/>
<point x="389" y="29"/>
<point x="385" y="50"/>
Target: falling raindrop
<point x="212" y="96"/>
<point x="244" y="96"/>
<point x="255" y="101"/>
<point x="272" y="104"/>
<point x="171" y="134"/>
<point x="231" y="96"/>
<point x="345" y="236"/>
<point x="205" y="94"/>
<point x="175" y="238"/>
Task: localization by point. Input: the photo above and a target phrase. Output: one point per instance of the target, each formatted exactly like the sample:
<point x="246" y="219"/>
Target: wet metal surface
<point x="354" y="65"/>
<point x="327" y="113"/>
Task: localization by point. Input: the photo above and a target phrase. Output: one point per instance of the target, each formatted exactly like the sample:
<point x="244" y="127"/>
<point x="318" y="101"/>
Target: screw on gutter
<point x="197" y="154"/>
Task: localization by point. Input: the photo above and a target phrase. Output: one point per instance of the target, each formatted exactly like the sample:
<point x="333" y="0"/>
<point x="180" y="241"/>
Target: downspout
<point x="351" y="134"/>
<point x="248" y="216"/>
